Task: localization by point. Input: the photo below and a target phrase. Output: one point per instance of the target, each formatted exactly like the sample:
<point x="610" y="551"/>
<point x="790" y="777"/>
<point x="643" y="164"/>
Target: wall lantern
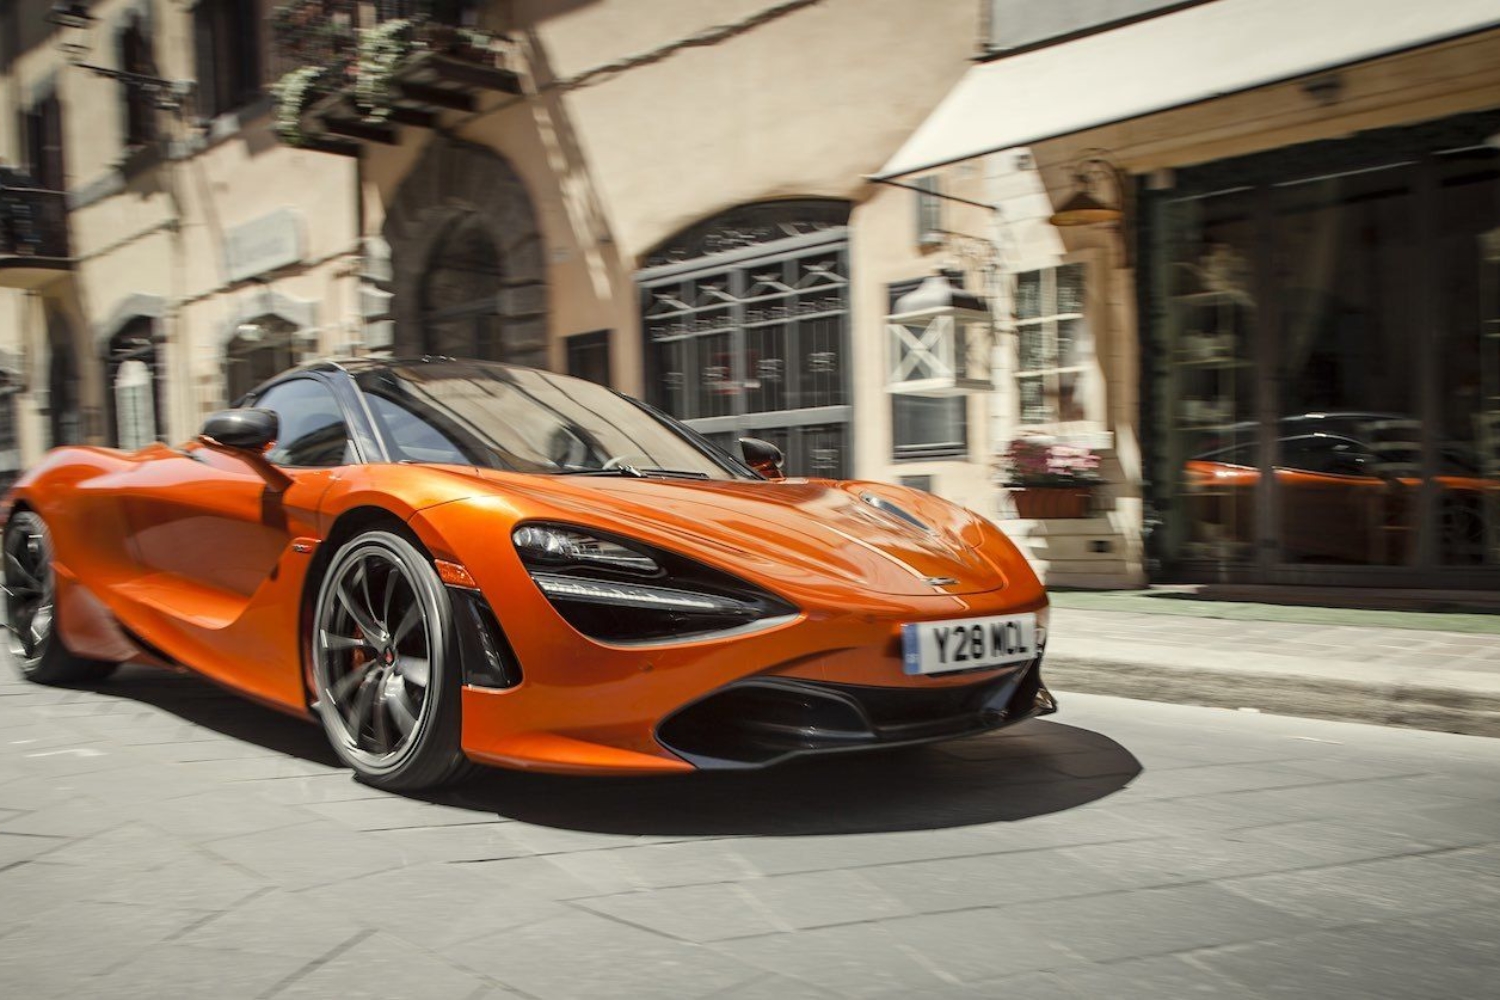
<point x="1084" y="208"/>
<point x="930" y="330"/>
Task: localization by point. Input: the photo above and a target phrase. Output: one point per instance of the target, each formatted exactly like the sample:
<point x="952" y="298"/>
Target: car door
<point x="215" y="541"/>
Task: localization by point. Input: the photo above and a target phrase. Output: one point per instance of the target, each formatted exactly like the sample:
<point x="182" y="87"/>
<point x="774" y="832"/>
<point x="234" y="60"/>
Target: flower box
<point x="1041" y="502"/>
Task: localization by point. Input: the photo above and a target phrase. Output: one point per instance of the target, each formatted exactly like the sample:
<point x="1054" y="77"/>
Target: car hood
<point x="796" y="531"/>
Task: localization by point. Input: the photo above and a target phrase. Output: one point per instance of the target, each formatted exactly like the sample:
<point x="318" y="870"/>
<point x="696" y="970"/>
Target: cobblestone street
<point x="160" y="838"/>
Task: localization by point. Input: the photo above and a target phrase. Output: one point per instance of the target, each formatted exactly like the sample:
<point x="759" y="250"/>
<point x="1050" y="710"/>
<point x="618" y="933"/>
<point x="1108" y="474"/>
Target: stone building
<point x="827" y="223"/>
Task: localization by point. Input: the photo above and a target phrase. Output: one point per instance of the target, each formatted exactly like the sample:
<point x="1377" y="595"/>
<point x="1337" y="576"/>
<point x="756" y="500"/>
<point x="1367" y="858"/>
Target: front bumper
<point x="575" y="705"/>
<point x="765" y="720"/>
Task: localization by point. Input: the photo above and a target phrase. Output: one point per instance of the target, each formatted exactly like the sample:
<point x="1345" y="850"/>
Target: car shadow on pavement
<point x="202" y="702"/>
<point x="1030" y="769"/>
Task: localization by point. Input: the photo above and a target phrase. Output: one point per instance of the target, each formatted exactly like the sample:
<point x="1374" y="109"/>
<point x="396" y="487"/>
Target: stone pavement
<point x="161" y="838"/>
<point x="1424" y="670"/>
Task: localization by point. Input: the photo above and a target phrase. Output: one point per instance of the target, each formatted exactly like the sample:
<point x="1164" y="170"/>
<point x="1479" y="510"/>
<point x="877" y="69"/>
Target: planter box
<point x="1041" y="502"/>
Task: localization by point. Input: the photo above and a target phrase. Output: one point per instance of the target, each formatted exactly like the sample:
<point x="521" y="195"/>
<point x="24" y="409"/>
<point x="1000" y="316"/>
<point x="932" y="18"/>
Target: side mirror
<point x="246" y="434"/>
<point x="242" y="430"/>
<point x="763" y="456"/>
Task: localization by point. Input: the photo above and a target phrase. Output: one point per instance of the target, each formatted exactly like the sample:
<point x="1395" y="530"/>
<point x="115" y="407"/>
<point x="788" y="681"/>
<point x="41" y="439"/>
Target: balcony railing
<point x="352" y="69"/>
<point x="33" y="232"/>
<point x="326" y="32"/>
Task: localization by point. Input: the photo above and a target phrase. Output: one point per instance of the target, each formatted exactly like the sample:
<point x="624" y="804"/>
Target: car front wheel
<point x="384" y="670"/>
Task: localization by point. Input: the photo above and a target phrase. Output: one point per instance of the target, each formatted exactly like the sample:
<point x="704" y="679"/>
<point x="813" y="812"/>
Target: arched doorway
<point x="132" y="387"/>
<point x="469" y="273"/>
<point x="461" y="295"/>
<point x="135" y="405"/>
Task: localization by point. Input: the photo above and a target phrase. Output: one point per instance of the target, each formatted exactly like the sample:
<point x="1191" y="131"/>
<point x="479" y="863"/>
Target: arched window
<point x="131" y="383"/>
<point x="461" y="295"/>
<point x="746" y="320"/>
<point x="469" y="271"/>
<point x="260" y="348"/>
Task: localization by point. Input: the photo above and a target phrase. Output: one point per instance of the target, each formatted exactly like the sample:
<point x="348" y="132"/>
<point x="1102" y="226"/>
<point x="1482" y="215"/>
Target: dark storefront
<point x="1321" y="331"/>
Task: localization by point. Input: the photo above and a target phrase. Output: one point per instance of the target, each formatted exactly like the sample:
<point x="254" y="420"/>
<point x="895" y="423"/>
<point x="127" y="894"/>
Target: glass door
<point x="1212" y="450"/>
<point x="1348" y="461"/>
<point x="1466" y="261"/>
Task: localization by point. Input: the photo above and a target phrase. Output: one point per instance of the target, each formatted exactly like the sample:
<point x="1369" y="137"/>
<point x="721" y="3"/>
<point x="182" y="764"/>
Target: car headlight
<point x="624" y="591"/>
<point x="559" y="546"/>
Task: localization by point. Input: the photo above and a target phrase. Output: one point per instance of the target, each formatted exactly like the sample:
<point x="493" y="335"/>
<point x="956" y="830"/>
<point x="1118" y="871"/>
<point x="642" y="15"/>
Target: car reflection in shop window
<point x="1347" y="491"/>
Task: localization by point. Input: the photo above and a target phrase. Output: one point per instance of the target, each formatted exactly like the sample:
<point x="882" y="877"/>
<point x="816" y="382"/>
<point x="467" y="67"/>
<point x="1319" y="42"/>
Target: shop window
<point x="1055" y="346"/>
<point x="226" y="39"/>
<point x="1327" y="371"/>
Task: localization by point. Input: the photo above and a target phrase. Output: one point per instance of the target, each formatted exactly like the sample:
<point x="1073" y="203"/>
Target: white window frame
<point x="1086" y="369"/>
<point x="929" y="210"/>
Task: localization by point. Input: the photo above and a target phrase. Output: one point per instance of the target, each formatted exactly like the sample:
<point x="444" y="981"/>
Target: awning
<point x="1201" y="52"/>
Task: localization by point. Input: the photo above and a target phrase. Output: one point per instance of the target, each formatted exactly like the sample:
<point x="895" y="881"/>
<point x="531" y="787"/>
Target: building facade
<point x="1292" y="325"/>
<point x="195" y="255"/>
<point x="825" y="223"/>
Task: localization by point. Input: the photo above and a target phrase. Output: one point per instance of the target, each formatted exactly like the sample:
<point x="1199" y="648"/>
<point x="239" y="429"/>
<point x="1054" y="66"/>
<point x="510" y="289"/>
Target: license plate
<point x="968" y="643"/>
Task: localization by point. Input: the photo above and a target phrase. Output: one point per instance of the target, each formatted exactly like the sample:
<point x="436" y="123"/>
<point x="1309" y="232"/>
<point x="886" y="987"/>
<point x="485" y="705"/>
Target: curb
<point x="1474" y="712"/>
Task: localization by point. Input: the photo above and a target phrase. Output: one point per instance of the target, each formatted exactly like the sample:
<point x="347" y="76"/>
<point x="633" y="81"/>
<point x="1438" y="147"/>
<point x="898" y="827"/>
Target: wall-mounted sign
<point x="264" y="244"/>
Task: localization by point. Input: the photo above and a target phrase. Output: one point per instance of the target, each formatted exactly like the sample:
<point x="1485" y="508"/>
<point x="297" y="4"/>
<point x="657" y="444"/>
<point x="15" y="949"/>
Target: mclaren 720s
<point x="450" y="562"/>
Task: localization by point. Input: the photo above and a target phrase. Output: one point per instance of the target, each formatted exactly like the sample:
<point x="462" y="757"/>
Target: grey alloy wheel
<point x="386" y="689"/>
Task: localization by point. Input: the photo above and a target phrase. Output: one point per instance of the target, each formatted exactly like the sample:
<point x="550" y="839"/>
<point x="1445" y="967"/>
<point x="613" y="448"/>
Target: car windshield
<point x="524" y="420"/>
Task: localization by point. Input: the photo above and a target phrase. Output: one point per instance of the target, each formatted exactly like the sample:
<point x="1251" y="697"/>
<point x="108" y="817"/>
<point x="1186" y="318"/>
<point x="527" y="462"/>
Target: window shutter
<point x="929" y="211"/>
<point x="51" y="168"/>
<point x="203" y="60"/>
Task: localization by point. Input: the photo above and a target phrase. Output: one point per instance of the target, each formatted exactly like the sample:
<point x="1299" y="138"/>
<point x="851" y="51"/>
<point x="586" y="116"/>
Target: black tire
<point x="31" y="609"/>
<point x="391" y="713"/>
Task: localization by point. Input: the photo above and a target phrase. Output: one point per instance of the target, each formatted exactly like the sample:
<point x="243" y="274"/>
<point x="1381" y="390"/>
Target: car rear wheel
<point x="385" y="672"/>
<point x="31" y="609"/>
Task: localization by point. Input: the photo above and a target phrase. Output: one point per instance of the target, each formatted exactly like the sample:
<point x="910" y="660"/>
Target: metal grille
<point x="33" y="222"/>
<point x="326" y="32"/>
<point x="757" y="345"/>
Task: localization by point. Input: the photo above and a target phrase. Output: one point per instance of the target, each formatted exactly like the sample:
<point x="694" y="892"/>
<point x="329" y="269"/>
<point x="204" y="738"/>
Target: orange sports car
<point x="453" y="561"/>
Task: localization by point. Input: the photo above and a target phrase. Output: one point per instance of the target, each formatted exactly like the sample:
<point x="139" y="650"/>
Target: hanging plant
<point x="381" y="50"/>
<point x="293" y="93"/>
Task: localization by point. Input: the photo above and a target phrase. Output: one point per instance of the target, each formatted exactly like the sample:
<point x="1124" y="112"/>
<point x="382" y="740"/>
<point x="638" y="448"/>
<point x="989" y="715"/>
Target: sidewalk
<point x="1422" y="670"/>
